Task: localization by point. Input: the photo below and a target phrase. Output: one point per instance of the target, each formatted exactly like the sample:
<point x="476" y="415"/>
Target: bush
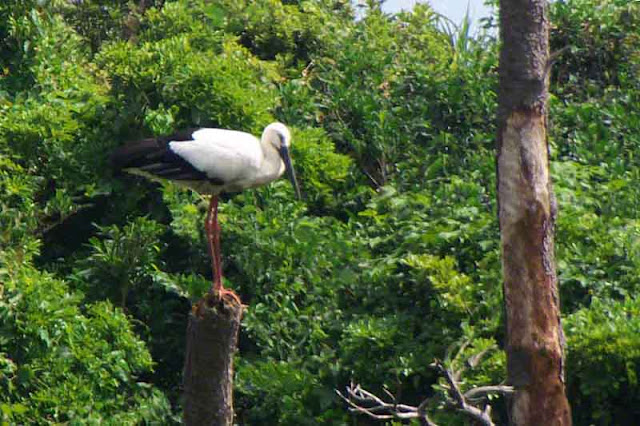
<point x="63" y="362"/>
<point x="603" y="362"/>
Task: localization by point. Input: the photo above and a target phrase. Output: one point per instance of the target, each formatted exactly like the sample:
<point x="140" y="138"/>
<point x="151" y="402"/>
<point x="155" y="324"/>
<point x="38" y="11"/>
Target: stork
<point x="210" y="162"/>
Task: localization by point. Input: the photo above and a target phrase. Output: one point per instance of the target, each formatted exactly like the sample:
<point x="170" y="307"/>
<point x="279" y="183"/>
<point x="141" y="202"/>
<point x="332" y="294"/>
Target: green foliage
<point x="17" y="208"/>
<point x="359" y="80"/>
<point x="454" y="289"/>
<point x="120" y="258"/>
<point x="391" y="259"/>
<point x="63" y="362"/>
<point x="49" y="127"/>
<point x="603" y="46"/>
<point x="373" y="85"/>
<point x="326" y="172"/>
<point x="596" y="212"/>
<point x="293" y="31"/>
<point x="604" y="361"/>
<point x="206" y="77"/>
<point x="285" y="392"/>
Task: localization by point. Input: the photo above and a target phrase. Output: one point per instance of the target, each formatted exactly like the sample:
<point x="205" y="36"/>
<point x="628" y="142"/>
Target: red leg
<point x="217" y="257"/>
<point x="212" y="228"/>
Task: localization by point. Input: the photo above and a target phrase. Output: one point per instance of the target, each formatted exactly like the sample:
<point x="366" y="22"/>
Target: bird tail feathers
<point x="136" y="154"/>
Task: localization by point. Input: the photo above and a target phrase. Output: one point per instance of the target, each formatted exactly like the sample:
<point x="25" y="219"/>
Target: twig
<point x="365" y="402"/>
<point x="474" y="360"/>
<point x="422" y="413"/>
<point x="389" y="394"/>
<point x="553" y="58"/>
<point x="458" y="400"/>
<point x="480" y="393"/>
<point x="375" y="183"/>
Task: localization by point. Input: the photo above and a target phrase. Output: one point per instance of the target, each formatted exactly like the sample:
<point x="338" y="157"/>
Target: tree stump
<point x="212" y="336"/>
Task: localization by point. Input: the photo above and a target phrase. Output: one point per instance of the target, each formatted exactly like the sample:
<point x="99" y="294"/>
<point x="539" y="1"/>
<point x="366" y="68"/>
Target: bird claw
<point x="223" y="293"/>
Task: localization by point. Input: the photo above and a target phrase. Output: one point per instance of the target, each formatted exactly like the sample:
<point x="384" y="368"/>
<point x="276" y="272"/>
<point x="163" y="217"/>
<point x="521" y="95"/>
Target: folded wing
<point x="218" y="156"/>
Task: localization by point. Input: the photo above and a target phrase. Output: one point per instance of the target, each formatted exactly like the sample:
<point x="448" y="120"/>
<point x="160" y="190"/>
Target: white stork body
<point x="236" y="157"/>
<point x="212" y="161"/>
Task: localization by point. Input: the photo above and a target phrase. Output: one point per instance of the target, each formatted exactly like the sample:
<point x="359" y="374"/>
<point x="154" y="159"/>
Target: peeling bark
<point x="212" y="335"/>
<point x="526" y="212"/>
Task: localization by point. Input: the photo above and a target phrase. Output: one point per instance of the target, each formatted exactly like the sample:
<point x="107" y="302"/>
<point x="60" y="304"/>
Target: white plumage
<point x="212" y="161"/>
<point x="218" y="152"/>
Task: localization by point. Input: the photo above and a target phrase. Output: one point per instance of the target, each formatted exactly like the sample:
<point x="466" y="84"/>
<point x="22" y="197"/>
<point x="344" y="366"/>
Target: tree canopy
<point x="392" y="257"/>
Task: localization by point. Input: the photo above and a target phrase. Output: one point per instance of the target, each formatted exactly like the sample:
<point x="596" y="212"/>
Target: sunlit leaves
<point x="603" y="359"/>
<point x="121" y="257"/>
<point x="65" y="362"/>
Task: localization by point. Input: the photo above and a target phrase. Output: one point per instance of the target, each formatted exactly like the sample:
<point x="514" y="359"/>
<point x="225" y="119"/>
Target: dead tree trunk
<point x="534" y="342"/>
<point x="212" y="335"/>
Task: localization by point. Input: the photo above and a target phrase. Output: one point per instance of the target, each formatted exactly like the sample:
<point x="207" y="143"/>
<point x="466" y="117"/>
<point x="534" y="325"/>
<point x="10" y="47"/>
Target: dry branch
<point x="365" y="402"/>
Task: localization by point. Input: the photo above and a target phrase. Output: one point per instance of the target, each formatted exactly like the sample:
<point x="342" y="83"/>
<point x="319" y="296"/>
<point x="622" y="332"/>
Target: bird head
<point x="278" y="135"/>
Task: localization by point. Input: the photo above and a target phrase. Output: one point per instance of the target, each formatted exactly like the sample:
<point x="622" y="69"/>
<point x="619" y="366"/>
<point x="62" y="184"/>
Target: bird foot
<point x="214" y="298"/>
<point x="223" y="293"/>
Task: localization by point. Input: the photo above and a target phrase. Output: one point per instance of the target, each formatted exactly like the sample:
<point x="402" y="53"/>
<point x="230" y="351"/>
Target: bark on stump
<point x="212" y="336"/>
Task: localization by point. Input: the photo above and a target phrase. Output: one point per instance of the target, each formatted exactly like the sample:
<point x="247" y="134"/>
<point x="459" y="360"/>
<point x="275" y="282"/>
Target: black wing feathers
<point x="153" y="156"/>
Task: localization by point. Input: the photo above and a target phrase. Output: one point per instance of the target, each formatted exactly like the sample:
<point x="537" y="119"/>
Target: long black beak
<point x="291" y="174"/>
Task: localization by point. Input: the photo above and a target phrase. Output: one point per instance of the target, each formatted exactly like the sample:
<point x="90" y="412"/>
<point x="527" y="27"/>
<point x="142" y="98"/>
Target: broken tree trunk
<point x="534" y="342"/>
<point x="212" y="336"/>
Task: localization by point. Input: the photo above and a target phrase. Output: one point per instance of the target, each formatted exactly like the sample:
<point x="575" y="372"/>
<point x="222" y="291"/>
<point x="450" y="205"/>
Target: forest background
<point x="392" y="258"/>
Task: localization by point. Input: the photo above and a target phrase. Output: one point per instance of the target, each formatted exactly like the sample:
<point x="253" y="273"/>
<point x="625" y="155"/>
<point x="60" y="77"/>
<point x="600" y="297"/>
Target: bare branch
<point x="457" y="398"/>
<point x="463" y="346"/>
<point x="422" y="414"/>
<point x="479" y="393"/>
<point x="373" y="180"/>
<point x="362" y="401"/>
<point x="474" y="360"/>
<point x="365" y="402"/>
<point x="389" y="394"/>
